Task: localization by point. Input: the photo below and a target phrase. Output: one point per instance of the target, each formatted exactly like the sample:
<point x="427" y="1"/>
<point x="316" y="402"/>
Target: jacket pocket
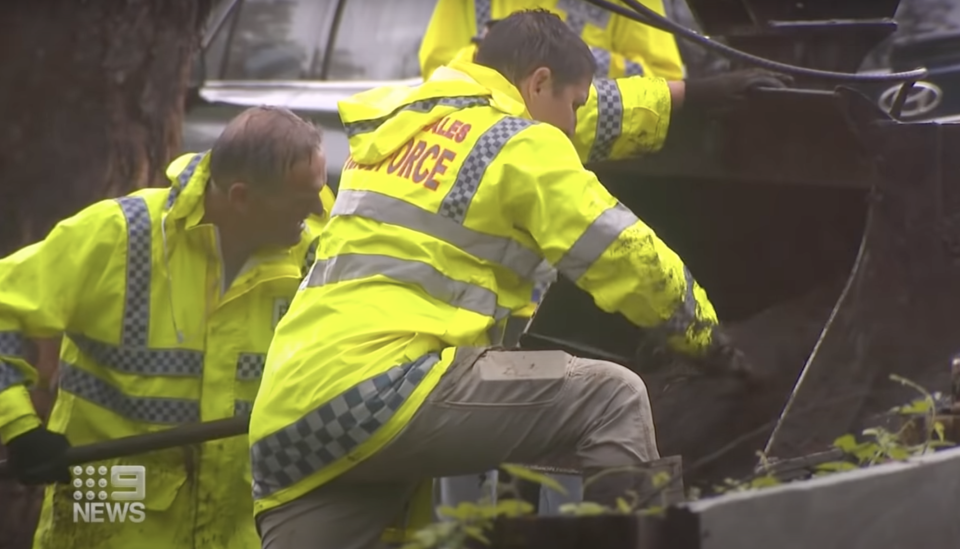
<point x="164" y="474"/>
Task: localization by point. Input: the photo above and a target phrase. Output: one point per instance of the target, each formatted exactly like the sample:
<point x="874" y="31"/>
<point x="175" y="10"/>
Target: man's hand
<point x="37" y="457"/>
<point x="717" y="94"/>
<point x="723" y="359"/>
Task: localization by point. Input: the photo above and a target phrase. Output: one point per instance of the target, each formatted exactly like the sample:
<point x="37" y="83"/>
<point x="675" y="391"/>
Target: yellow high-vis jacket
<point x="151" y="341"/>
<point x="621" y="47"/>
<point x="451" y="200"/>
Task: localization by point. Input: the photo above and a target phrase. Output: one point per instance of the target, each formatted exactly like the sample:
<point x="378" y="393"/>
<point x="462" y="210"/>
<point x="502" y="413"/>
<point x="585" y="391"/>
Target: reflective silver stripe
<point x="422" y="106"/>
<point x="183" y="179"/>
<point x="141" y="360"/>
<point x="579" y="13"/>
<point x="133" y="356"/>
<point x="242" y="408"/>
<point x="250" y="366"/>
<point x="12" y="344"/>
<point x="609" y="119"/>
<point x="159" y="410"/>
<point x="457" y="201"/>
<point x="595" y="240"/>
<point x="544" y="274"/>
<point x="632" y="68"/>
<point x="9" y="376"/>
<point x="136" y="310"/>
<point x="482" y="13"/>
<point x="496" y="332"/>
<point x="394" y="211"/>
<point x="456" y="293"/>
<point x="602" y="57"/>
<point x="333" y="430"/>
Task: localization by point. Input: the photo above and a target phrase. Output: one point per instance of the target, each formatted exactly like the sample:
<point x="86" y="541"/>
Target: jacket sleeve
<point x="42" y="288"/>
<point x="598" y="243"/>
<point x="451" y="28"/>
<point x="615" y="65"/>
<point x="653" y="48"/>
<point x="623" y="118"/>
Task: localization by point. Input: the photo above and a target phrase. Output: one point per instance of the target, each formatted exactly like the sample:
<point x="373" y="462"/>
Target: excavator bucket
<point x="826" y="233"/>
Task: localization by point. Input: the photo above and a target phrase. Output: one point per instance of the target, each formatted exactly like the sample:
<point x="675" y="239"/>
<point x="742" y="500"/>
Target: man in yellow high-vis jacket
<point x="621" y="47"/>
<point x="167" y="300"/>
<point x="380" y="377"/>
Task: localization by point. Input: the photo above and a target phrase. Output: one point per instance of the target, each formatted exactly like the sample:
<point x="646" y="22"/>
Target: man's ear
<point x="536" y="84"/>
<point x="541" y="80"/>
<point x="238" y="195"/>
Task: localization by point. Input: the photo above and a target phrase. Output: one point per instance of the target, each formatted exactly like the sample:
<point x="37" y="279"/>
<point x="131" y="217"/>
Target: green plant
<point x="877" y="446"/>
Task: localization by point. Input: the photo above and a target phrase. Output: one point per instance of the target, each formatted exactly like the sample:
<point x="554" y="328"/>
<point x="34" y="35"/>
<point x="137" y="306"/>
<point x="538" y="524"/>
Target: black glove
<point x="37" y="457"/>
<point x="715" y="94"/>
<point x="723" y="359"/>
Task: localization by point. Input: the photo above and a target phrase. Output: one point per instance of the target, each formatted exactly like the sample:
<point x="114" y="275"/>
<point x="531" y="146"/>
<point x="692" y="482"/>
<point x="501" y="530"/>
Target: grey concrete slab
<point x="909" y="505"/>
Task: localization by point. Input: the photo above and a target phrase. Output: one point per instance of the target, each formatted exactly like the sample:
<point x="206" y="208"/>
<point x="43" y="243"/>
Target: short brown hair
<point x="260" y="146"/>
<point x="529" y="39"/>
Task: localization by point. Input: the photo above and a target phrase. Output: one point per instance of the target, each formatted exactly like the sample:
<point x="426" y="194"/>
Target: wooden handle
<point x="183" y="435"/>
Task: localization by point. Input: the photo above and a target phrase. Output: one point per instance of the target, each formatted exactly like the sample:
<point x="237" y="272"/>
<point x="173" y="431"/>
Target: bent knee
<point x="612" y="374"/>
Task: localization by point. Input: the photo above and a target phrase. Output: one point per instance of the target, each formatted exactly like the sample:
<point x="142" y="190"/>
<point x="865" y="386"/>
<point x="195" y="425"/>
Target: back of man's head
<point x="527" y="40"/>
<point x="261" y="145"/>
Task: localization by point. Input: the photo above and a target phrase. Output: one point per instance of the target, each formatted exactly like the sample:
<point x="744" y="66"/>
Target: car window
<point x="213" y="56"/>
<point x="379" y="40"/>
<point x="277" y="39"/>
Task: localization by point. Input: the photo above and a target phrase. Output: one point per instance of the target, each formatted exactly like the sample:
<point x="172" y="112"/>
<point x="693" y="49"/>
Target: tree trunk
<point x="92" y="104"/>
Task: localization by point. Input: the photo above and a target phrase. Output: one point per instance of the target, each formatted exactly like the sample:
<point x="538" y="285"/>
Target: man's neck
<point x="235" y="248"/>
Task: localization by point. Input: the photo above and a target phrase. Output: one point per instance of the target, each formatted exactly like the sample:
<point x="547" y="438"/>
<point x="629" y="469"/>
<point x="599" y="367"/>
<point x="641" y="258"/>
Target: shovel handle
<point x="182" y="435"/>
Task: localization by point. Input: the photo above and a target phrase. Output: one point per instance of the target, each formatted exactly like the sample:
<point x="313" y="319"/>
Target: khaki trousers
<point x="503" y="407"/>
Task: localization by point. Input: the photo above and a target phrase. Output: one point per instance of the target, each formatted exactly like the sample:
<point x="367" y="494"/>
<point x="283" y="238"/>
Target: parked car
<point x="304" y="55"/>
<point x="308" y="54"/>
<point x="937" y="97"/>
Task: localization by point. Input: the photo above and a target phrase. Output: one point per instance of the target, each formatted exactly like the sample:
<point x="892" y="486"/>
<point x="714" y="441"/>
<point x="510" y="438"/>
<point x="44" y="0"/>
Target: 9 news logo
<point x="92" y="501"/>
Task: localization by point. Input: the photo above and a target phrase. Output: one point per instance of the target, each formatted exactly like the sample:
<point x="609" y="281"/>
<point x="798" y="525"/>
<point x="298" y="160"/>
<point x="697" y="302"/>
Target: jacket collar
<point x="504" y="95"/>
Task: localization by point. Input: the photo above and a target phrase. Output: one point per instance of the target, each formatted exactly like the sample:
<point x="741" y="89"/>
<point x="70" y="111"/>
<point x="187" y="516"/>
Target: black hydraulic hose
<point x="642" y="14"/>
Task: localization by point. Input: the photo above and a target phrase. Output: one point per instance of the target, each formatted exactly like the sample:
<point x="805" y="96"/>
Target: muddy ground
<point x="698" y="417"/>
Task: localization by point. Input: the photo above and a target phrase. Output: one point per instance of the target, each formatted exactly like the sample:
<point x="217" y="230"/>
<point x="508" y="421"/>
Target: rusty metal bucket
<point x="826" y="233"/>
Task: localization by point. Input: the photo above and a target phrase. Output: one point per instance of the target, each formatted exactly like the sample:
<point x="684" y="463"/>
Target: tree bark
<point x="92" y="105"/>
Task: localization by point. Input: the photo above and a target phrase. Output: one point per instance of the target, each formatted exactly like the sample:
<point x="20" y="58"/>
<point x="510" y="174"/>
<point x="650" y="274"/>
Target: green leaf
<point x="476" y="533"/>
<point x="898" y="453"/>
<point x="939" y="430"/>
<point x="765" y="481"/>
<point x="513" y="508"/>
<point x="463" y="511"/>
<point x="623" y="506"/>
<point x="866" y="451"/>
<point x="836" y="467"/>
<point x="846" y="443"/>
<point x="426" y="537"/>
<point x="661" y="478"/>
<point x="518" y="471"/>
<point x="653" y="510"/>
<point x="918" y="407"/>
<point x="586" y="508"/>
